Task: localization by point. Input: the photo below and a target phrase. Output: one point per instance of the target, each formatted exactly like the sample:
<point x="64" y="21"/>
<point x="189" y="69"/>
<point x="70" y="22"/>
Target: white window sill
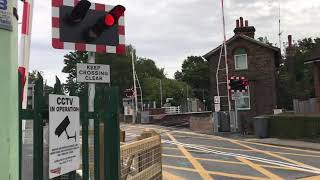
<point x="244" y="109"/>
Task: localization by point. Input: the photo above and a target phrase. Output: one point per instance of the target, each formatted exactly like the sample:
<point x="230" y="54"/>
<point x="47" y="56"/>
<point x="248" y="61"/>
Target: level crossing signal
<point x="85" y="26"/>
<point x="129" y="93"/>
<point x="238" y="84"/>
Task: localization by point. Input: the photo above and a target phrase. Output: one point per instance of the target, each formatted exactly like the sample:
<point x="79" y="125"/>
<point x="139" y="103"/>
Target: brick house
<point x="314" y="59"/>
<point x="256" y="61"/>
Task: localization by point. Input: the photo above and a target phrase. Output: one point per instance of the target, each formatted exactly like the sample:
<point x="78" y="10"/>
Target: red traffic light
<point x="245" y="83"/>
<point x="108" y="20"/>
<point x="117" y="12"/>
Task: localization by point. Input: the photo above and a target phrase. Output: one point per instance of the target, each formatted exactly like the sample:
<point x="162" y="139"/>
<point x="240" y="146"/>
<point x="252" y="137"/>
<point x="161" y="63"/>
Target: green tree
<point x="121" y="69"/>
<point x="33" y="76"/>
<point x="70" y="60"/>
<point x="146" y="68"/>
<point x="299" y="84"/>
<point x="178" y="75"/>
<point x="170" y="89"/>
<point x="195" y="72"/>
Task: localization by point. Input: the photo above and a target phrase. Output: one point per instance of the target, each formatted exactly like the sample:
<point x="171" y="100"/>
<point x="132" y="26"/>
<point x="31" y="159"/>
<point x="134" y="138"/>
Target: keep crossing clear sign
<point x="93" y="73"/>
<point x="64" y="129"/>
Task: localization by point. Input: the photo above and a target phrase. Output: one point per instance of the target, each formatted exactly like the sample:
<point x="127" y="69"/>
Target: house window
<point x="240" y="59"/>
<point x="243" y="101"/>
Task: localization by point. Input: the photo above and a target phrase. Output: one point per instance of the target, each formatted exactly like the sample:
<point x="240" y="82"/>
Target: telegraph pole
<point x="9" y="129"/>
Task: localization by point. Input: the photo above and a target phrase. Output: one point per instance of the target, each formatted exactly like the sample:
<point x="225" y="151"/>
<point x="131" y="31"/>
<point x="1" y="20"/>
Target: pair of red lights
<point x="107" y="21"/>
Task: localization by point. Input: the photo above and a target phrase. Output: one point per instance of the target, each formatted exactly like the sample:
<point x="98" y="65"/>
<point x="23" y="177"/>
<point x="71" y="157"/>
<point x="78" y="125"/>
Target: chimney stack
<point x="244" y="29"/>
<point x="237" y="23"/>
<point x="290" y="41"/>
<point x="290" y="53"/>
<point x="241" y="21"/>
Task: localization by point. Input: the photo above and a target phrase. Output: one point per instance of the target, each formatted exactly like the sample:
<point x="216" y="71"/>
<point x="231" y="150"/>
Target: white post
<point x="135" y="89"/>
<point x="236" y="113"/>
<point x="92" y="88"/>
<point x="225" y="52"/>
<point x="141" y="93"/>
<point x="161" y="104"/>
<point x="187" y="99"/>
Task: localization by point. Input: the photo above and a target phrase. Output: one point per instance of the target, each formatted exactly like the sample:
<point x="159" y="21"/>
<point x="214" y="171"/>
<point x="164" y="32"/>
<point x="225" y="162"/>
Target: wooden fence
<point x="305" y="107"/>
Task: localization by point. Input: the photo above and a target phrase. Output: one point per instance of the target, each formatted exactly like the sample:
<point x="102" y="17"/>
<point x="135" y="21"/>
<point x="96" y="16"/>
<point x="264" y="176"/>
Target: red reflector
<point x="109" y="20"/>
<point x="245" y="83"/>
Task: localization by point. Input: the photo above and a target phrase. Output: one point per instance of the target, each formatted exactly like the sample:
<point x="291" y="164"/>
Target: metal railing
<point x="172" y="109"/>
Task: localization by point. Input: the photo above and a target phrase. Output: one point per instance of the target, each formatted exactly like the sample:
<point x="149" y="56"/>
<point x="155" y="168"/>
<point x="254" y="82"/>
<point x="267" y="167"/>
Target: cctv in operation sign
<point x="64" y="129"/>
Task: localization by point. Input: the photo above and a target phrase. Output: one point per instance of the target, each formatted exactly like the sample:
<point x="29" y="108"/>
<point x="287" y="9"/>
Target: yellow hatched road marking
<point x="260" y="169"/>
<point x="271" y="154"/>
<point x="249" y="150"/>
<point x="169" y="176"/>
<point x="281" y="147"/>
<point x="234" y="162"/>
<point x="203" y="173"/>
<point x="217" y="173"/>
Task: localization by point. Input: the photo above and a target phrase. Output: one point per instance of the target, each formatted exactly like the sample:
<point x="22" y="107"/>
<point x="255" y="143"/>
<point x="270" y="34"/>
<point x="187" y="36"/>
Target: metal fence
<point x="106" y="112"/>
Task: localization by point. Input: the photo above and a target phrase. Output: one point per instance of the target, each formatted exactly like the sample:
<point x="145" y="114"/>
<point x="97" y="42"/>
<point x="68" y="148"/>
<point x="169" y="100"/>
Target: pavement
<point x="191" y="156"/>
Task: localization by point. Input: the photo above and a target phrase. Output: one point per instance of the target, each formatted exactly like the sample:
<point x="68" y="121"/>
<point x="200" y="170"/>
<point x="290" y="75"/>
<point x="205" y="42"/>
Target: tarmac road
<point x="192" y="156"/>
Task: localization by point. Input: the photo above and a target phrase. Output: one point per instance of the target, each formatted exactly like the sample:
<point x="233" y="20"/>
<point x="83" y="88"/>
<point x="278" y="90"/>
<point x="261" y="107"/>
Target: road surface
<point x="192" y="156"/>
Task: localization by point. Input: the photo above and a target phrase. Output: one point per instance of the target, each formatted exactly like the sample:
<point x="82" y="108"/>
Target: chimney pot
<point x="290" y="41"/>
<point x="241" y="21"/>
<point x="237" y="23"/>
<point x="246" y="22"/>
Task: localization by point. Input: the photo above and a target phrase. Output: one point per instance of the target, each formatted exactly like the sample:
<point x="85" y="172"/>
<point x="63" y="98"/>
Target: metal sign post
<point x="91" y="88"/>
<point x="237" y="97"/>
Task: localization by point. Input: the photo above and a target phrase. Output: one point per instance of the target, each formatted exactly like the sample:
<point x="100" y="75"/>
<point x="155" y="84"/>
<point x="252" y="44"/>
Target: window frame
<point x="247" y="96"/>
<point x="235" y="63"/>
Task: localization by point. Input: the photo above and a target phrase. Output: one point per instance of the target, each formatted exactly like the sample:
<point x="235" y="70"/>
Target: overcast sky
<point x="168" y="31"/>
